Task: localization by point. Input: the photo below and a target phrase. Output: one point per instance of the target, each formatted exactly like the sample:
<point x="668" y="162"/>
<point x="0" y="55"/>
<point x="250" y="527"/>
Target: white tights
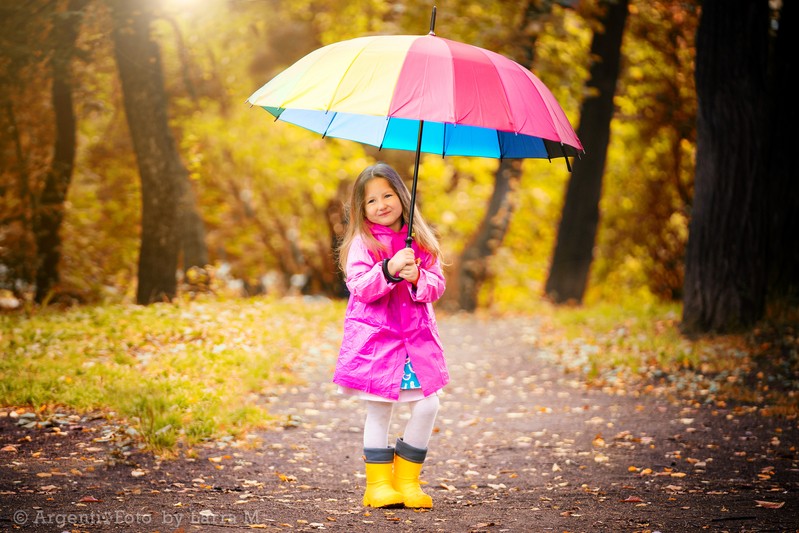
<point x="417" y="430"/>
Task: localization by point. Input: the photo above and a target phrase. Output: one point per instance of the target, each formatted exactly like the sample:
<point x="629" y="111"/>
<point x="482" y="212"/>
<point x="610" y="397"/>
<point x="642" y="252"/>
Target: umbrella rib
<point x="499" y="145"/>
<point x="550" y="115"/>
<point x="444" y="141"/>
<point x="383" y="138"/>
<point x="565" y="157"/>
<point x="346" y="72"/>
<point x="509" y="111"/>
<point x="327" y="128"/>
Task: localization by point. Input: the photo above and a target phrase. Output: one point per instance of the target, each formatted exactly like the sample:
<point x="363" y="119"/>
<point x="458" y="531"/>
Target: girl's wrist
<point x="389" y="277"/>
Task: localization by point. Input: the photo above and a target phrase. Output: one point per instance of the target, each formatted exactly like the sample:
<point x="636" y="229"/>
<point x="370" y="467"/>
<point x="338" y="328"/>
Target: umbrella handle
<point x="387" y="274"/>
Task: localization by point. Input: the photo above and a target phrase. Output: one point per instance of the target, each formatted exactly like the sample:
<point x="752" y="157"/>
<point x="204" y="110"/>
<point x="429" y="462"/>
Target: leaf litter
<point x="513" y="429"/>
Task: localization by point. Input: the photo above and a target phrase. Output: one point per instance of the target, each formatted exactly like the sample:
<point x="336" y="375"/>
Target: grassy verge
<point x="180" y="372"/>
<point x="637" y="348"/>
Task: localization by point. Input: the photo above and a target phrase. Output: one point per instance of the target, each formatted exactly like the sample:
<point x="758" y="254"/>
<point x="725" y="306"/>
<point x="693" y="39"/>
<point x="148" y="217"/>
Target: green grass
<point x="180" y="372"/>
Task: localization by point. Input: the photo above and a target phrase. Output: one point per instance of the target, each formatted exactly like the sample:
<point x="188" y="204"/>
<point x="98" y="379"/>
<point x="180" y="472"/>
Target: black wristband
<point x="388" y="275"/>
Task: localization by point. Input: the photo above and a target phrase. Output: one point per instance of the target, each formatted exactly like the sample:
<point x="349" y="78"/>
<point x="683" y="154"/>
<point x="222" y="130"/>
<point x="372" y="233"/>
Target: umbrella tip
<point x="433" y="22"/>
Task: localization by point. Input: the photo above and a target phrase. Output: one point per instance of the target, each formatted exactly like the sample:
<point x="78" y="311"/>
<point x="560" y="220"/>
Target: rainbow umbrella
<point x="421" y="93"/>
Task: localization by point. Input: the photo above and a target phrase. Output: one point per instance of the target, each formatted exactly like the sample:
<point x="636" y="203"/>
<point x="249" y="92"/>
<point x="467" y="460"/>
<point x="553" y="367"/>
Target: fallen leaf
<point x="632" y="499"/>
<point x="769" y="505"/>
<point x="89" y="499"/>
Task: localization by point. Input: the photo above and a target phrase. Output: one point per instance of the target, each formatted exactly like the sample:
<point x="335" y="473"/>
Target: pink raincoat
<point x="384" y="321"/>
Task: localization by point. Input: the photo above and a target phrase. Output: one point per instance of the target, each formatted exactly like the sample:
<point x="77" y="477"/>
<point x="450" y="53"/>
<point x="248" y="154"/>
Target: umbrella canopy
<point x="377" y="89"/>
<point x="422" y="93"/>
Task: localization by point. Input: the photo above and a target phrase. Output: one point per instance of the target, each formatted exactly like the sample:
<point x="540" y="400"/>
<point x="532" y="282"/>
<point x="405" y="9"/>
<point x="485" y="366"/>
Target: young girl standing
<point x="391" y="351"/>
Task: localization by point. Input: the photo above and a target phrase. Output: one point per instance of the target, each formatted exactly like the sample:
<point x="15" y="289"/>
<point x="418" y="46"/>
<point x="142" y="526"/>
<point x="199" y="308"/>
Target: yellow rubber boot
<point x="379" y="488"/>
<point x="407" y="467"/>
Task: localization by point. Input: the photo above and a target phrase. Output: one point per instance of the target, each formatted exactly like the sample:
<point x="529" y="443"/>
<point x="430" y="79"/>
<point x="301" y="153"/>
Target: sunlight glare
<point x="180" y="5"/>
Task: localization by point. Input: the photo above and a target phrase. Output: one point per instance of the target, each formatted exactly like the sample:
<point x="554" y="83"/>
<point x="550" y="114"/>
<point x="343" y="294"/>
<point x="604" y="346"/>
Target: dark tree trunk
<point x="472" y="267"/>
<point x="337" y="223"/>
<point x="725" y="266"/>
<point x="783" y="165"/>
<point x="192" y="229"/>
<point x="50" y="212"/>
<point x="163" y="176"/>
<point x="571" y="261"/>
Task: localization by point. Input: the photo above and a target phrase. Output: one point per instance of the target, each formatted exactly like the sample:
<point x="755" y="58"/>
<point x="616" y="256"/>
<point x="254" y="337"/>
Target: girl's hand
<point x="410" y="273"/>
<point x="402" y="259"/>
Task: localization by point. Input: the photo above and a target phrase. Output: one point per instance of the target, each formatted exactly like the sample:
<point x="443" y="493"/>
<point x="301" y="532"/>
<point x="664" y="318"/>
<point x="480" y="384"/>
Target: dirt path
<point x="520" y="446"/>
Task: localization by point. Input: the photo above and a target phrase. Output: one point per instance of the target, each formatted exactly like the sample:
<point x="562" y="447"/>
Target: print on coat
<point x="409" y="379"/>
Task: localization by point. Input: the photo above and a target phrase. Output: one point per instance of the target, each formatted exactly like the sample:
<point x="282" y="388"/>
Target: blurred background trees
<point x="128" y="154"/>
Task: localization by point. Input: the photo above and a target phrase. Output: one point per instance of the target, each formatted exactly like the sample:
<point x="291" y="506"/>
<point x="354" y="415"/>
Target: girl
<point x="391" y="351"/>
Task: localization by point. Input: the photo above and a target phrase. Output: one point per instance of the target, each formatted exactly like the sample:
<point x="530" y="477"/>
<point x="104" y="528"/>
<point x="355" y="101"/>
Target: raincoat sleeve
<point x="430" y="285"/>
<point x="365" y="279"/>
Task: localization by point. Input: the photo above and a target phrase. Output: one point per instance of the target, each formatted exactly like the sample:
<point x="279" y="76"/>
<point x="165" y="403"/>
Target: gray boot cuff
<point x="378" y="455"/>
<point x="409" y="453"/>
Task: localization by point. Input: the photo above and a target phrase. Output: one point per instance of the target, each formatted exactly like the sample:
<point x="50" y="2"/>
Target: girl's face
<point x="382" y="205"/>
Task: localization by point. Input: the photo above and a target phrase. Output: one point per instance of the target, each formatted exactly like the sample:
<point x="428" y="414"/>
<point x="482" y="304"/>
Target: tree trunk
<point x="571" y="261"/>
<point x="725" y="266"/>
<point x="163" y="175"/>
<point x="50" y="212"/>
<point x="782" y="164"/>
<point x="192" y="229"/>
<point x="337" y="223"/>
<point x="472" y="268"/>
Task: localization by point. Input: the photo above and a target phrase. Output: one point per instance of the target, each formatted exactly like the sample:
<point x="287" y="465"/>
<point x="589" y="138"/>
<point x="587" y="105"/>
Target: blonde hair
<point x="356" y="214"/>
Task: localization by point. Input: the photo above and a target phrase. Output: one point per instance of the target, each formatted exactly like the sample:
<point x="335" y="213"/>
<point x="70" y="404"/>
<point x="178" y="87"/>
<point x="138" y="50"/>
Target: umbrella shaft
<point x="409" y="238"/>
